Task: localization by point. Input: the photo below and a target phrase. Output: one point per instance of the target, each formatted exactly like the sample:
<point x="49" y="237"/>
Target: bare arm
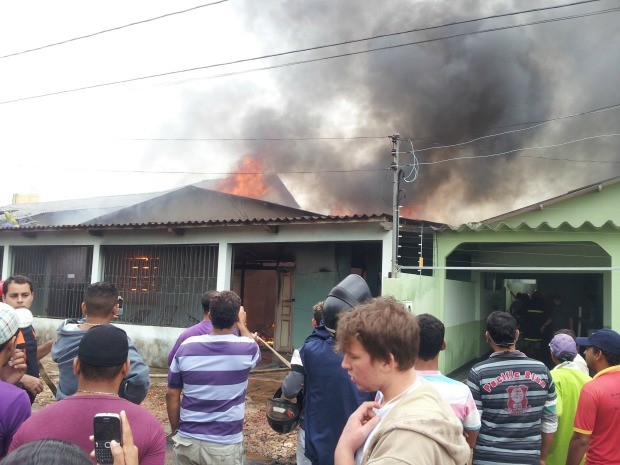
<point x="545" y="445"/>
<point x="173" y="406"/>
<point x="577" y="448"/>
<point x="242" y="324"/>
<point x="44" y="349"/>
<point x="471" y="436"/>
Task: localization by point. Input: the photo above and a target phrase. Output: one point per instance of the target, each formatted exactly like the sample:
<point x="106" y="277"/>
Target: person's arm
<point x="471" y="436"/>
<point x="44" y="349"/>
<point x="356" y="431"/>
<point x="577" y="448"/>
<point x="32" y="384"/>
<point x="242" y="324"/>
<point x="545" y="446"/>
<point x="135" y="386"/>
<point x="173" y="407"/>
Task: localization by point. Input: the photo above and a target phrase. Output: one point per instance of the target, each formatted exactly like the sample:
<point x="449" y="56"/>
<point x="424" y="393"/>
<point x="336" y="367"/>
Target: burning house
<point x="165" y="249"/>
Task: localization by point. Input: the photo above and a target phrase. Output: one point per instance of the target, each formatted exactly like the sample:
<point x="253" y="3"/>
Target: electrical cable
<point x="538" y="124"/>
<point x="135" y="23"/>
<point x="297" y="139"/>
<point x="314" y="60"/>
<point x="380" y="36"/>
<point x="522" y="149"/>
<point x="415" y="166"/>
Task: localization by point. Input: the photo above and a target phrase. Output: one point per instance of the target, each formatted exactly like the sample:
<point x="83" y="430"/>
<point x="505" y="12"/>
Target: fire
<point x="410" y="211"/>
<point x="248" y="180"/>
<point x="339" y="210"/>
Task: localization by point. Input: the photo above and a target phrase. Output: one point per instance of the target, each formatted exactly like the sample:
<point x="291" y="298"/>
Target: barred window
<point x="161" y="285"/>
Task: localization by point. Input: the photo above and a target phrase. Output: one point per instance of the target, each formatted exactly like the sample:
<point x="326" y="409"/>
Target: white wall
<point x="152" y="342"/>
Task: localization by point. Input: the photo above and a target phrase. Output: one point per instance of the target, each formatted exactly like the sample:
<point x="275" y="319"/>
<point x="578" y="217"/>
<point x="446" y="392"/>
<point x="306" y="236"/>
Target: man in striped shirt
<point x="212" y="371"/>
<point x="516" y="399"/>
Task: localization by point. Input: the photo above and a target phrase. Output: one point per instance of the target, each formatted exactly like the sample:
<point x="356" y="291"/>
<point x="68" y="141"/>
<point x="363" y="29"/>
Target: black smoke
<point x="437" y="93"/>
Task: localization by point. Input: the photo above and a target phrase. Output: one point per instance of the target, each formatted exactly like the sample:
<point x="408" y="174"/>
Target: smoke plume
<point x="435" y="94"/>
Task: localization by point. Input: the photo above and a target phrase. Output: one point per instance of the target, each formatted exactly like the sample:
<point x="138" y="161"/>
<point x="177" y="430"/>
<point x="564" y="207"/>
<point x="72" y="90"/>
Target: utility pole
<point x="395" y="200"/>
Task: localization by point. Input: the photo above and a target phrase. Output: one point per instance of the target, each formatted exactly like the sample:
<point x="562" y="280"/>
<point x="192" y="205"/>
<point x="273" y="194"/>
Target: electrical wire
<point x="298" y="139"/>
<point x="539" y="123"/>
<point x="380" y="36"/>
<point x="522" y="149"/>
<point x="314" y="60"/>
<point x="415" y="166"/>
<point x="135" y="23"/>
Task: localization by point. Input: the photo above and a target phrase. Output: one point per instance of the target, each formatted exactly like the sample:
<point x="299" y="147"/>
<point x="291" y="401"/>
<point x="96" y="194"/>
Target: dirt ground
<point x="264" y="446"/>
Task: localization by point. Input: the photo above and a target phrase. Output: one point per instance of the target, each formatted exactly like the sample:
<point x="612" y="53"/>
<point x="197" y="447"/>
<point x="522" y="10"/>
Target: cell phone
<point x="107" y="426"/>
<point x="119" y="312"/>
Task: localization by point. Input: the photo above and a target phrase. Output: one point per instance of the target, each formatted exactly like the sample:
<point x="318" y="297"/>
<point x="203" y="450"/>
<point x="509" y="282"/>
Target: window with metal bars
<point x="161" y="285"/>
<point x="59" y="274"/>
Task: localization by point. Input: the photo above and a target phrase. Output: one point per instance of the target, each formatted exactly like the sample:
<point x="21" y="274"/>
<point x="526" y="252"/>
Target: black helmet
<point x="282" y="415"/>
<point x="351" y="291"/>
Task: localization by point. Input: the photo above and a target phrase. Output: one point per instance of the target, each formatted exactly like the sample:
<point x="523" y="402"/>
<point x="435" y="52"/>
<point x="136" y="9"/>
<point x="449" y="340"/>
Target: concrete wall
<point x="153" y="342"/>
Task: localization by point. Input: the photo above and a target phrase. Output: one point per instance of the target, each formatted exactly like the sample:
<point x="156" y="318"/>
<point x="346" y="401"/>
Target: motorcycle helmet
<point x="282" y="415"/>
<point x="351" y="291"/>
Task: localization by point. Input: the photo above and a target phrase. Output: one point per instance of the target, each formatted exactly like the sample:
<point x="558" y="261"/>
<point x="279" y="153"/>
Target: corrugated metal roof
<point x="545" y="203"/>
<point x="219" y="223"/>
<point x="542" y="227"/>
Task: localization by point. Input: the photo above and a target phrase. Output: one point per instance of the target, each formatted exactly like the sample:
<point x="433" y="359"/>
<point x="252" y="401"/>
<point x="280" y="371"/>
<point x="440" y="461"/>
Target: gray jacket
<point x="134" y="386"/>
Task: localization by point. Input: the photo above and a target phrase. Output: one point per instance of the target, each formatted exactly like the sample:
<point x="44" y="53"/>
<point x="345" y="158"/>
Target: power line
<point x="111" y="29"/>
<point x="472" y="157"/>
<point x="297" y="139"/>
<point x="533" y="10"/>
<point x="314" y="60"/>
<point x="537" y="124"/>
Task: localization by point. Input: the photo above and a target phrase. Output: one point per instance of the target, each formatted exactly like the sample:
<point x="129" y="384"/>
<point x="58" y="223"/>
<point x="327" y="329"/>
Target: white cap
<point x="24" y="316"/>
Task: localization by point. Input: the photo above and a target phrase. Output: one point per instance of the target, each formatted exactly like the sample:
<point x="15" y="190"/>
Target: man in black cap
<point x="101" y="364"/>
<point x="597" y="420"/>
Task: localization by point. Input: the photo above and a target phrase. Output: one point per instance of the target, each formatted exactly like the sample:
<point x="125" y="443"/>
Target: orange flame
<point x="410" y="211"/>
<point x="340" y="210"/>
<point x="247" y="180"/>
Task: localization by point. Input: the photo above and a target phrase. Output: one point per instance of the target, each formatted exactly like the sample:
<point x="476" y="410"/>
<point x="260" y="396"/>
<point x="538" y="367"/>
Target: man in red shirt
<point x="597" y="420"/>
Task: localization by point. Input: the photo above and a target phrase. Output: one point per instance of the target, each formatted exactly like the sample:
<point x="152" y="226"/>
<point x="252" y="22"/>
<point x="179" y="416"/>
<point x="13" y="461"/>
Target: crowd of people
<point x="366" y="379"/>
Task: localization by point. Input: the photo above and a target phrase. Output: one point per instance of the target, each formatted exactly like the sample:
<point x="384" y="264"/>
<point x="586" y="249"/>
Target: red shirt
<point x="598" y="415"/>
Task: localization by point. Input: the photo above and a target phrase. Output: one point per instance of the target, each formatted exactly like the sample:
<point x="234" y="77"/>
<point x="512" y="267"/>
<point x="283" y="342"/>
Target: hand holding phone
<point x="107" y="427"/>
<point x="119" y="312"/>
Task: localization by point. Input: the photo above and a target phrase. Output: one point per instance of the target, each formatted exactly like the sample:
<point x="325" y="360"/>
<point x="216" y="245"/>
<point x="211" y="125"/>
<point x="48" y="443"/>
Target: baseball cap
<point x="8" y="322"/>
<point x="104" y="346"/>
<point x="563" y="344"/>
<point x="606" y="339"/>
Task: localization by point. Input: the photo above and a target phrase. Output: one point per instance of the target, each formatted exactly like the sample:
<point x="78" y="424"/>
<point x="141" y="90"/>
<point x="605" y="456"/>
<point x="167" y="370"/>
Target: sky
<point x="321" y="118"/>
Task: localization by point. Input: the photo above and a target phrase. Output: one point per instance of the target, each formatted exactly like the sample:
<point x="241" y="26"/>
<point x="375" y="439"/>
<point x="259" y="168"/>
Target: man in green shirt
<point x="568" y="379"/>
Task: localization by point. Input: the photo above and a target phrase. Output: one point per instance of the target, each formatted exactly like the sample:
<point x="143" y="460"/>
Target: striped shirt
<point x="213" y="372"/>
<point x="457" y="395"/>
<point x="516" y="399"/>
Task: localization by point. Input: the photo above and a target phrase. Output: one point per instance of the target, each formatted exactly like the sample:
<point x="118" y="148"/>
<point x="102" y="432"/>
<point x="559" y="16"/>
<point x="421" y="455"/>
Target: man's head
<point x="206" y="300"/>
<point x="101" y="300"/>
<point x="376" y="339"/>
<point x="502" y="329"/>
<point x="557" y="299"/>
<point x="602" y="349"/>
<point x="563" y="348"/>
<point x="317" y="313"/>
<point x="17" y="291"/>
<point x="432" y="332"/>
<point x="224" y="309"/>
<point x="9" y="326"/>
<point x="102" y="354"/>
